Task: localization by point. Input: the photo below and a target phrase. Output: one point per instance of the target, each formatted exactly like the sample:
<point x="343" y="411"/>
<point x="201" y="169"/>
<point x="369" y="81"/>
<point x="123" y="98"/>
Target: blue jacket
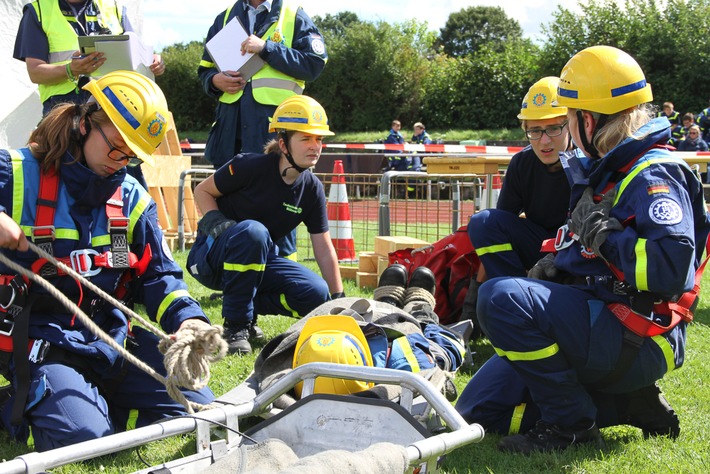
<point x="81" y="223"/>
<point x="659" y="201"/>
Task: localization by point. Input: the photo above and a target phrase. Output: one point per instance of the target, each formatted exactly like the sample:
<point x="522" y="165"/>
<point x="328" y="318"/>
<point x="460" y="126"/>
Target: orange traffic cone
<point x="341" y="230"/>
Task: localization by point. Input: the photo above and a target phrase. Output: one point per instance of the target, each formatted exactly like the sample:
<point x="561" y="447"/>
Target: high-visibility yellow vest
<point x="270" y="86"/>
<point x="63" y="40"/>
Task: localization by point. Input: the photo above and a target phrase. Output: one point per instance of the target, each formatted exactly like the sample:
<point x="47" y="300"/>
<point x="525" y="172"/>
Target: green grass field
<point x="687" y="389"/>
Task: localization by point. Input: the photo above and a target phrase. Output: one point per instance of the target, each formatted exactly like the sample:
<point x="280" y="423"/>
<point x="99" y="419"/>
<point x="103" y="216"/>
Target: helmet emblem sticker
<point x="539" y="99"/>
<point x="317" y="116"/>
<point x="325" y="341"/>
<point x="155" y="127"/>
<point x="665" y="211"/>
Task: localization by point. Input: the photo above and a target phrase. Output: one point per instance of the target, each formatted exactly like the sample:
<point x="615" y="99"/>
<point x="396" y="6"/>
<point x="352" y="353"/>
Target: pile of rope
<point x="188" y="353"/>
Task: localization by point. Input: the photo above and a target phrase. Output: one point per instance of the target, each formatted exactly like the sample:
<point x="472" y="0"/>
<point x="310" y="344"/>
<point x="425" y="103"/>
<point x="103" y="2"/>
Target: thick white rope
<point x="188" y="353"/>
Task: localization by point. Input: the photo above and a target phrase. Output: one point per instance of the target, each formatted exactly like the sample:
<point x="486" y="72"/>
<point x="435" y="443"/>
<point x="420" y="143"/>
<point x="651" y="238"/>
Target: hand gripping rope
<point x="188" y="353"/>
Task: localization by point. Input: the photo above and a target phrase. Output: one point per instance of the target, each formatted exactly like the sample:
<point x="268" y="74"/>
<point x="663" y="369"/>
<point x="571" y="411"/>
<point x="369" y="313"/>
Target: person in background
<point x="47" y="42"/>
<point x="395" y="137"/>
<point x="284" y="36"/>
<point x="692" y="141"/>
<point x="670" y="113"/>
<point x="581" y="343"/>
<point x="249" y="203"/>
<point x="421" y="135"/>
<point x="679" y="132"/>
<point x="702" y="120"/>
<point x="72" y="386"/>
<point x="535" y="187"/>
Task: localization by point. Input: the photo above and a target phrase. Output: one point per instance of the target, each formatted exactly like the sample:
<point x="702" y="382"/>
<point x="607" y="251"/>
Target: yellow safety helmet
<point x="539" y="102"/>
<point x="337" y="339"/>
<point x="603" y="79"/>
<point x="300" y="113"/>
<point x="136" y="106"/>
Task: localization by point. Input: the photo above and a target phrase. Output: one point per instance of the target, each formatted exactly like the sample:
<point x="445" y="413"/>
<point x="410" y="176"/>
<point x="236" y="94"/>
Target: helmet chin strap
<point x="589" y="144"/>
<point x="290" y="159"/>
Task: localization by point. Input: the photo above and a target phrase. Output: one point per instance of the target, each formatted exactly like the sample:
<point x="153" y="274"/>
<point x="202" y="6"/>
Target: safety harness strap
<point x="630" y="348"/>
<point x="43" y="231"/>
<point x="21" y="354"/>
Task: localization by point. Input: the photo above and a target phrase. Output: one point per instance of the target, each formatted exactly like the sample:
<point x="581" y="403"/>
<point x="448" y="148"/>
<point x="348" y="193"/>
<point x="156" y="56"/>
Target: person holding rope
<point x="67" y="196"/>
<point x="581" y="342"/>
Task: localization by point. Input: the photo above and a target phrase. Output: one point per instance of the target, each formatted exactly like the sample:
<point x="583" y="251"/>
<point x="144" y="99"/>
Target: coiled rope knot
<point x="189" y="353"/>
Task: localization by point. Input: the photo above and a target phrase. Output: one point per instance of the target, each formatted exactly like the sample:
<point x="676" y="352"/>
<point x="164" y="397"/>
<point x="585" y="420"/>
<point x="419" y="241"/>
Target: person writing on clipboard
<point x="47" y="42"/>
<point x="281" y="34"/>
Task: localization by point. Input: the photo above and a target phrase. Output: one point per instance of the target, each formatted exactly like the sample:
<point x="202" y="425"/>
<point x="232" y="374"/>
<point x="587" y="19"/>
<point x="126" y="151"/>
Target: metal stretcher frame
<point x="424" y="452"/>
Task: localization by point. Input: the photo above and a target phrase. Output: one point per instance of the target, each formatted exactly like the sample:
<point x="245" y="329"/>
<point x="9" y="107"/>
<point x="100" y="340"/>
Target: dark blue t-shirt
<point x="531" y="188"/>
<point x="253" y="189"/>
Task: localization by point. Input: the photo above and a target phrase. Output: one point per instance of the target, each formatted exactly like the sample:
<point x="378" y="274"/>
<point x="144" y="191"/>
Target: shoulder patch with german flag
<point x="658" y="187"/>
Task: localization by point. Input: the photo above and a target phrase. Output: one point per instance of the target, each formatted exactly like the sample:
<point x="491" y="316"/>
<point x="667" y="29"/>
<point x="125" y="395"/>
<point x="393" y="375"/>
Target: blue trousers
<point x="65" y="406"/>
<point x="506" y="244"/>
<point x="556" y="338"/>
<point x="243" y="263"/>
<point x="498" y="399"/>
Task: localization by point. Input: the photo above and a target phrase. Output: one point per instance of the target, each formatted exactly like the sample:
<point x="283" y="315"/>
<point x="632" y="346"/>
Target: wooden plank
<point x="167" y="170"/>
<point x="170" y="195"/>
<point x="190" y="212"/>
<point x="163" y="218"/>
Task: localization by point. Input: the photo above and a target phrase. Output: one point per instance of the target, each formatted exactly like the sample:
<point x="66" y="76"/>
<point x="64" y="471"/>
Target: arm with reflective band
<point x="167" y="301"/>
<point x="640" y="265"/>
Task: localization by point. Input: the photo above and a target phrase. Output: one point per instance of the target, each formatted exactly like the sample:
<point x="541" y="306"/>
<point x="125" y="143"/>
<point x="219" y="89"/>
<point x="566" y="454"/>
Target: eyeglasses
<point x="116" y="154"/>
<point x="552" y="131"/>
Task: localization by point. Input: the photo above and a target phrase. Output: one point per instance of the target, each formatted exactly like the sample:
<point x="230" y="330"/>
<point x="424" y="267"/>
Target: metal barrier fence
<point x="419" y="205"/>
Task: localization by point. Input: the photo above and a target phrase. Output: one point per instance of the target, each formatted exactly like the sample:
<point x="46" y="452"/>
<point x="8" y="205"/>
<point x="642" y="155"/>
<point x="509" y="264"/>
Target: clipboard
<point x="123" y="52"/>
<point x="223" y="48"/>
<point x="87" y="44"/>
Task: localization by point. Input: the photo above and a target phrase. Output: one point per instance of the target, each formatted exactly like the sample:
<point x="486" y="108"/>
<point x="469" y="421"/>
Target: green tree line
<point x="473" y="73"/>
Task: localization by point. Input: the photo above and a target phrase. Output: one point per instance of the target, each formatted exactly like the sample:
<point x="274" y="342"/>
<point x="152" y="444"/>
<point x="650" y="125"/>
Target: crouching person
<point x="253" y="201"/>
<point x="581" y="343"/>
<point x="68" y="190"/>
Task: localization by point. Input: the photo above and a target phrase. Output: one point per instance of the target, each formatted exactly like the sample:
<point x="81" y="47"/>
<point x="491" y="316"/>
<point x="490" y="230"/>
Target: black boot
<point x="237" y="338"/>
<point x="468" y="309"/>
<point x="647" y="408"/>
<point x="419" y="299"/>
<point x="548" y="437"/>
<point x="391" y="287"/>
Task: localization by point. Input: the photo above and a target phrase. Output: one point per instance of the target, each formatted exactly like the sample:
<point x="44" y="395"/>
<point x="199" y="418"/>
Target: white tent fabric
<point x="20" y="108"/>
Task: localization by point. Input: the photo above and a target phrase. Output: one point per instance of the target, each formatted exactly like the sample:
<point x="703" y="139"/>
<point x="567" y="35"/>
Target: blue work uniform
<point x="421" y="139"/>
<point x="397" y="163"/>
<point x="243" y="261"/>
<point x="83" y="388"/>
<point x="562" y="339"/>
<point x="507" y="244"/>
<point x="703" y="121"/>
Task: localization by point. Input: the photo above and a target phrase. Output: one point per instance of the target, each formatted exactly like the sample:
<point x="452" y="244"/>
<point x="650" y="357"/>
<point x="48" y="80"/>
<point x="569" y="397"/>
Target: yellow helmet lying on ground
<point x="603" y="79"/>
<point x="300" y="113"/>
<point x="136" y="106"/>
<point x="337" y="339"/>
<point x="539" y="102"/>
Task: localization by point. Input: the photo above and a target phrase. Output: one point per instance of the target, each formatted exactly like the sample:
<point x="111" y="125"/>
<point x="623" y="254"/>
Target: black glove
<point x="590" y="221"/>
<point x="214" y="223"/>
<point x="545" y="269"/>
<point x="335" y="296"/>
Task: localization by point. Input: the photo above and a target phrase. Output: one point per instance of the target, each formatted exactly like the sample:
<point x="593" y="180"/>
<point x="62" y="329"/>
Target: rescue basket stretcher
<point x="315" y="424"/>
